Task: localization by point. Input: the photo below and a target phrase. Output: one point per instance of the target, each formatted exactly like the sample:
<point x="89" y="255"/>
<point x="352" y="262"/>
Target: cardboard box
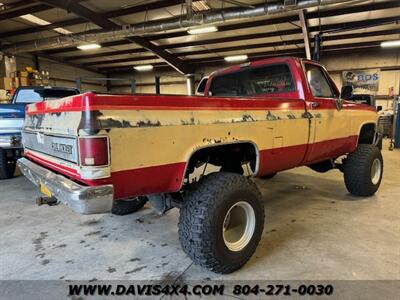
<point x="24" y="81"/>
<point x="6" y="83"/>
<point x="17" y="83"/>
<point x="24" y="74"/>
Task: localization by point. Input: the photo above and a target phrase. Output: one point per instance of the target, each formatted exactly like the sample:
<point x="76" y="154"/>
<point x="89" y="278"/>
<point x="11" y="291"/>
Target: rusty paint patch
<point x="148" y="123"/>
<point x="247" y="118"/>
<point x="191" y="121"/>
<point x="113" y="123"/>
<point x="271" y="117"/>
<point x="307" y="115"/>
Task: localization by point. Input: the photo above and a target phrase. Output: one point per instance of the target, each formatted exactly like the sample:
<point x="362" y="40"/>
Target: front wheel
<point x="221" y="222"/>
<point x="363" y="170"/>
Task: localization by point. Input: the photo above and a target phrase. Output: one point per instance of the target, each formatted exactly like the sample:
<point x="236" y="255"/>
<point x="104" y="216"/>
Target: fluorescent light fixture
<point x="236" y="58"/>
<point x="201" y="5"/>
<point x="35" y="20"/>
<point x="143" y="68"/>
<point x="38" y="21"/>
<point x="200" y="30"/>
<point x="88" y="46"/>
<point x="62" y="30"/>
<point x="390" y="44"/>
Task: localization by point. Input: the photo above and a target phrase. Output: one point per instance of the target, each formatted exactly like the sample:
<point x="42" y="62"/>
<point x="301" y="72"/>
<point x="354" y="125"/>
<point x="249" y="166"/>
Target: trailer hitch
<point x="50" y="201"/>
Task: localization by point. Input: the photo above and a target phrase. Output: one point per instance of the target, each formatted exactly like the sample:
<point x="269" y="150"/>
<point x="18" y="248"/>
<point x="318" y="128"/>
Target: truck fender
<point x="244" y="143"/>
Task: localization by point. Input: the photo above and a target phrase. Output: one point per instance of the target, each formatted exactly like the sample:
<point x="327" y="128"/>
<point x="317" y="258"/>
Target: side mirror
<point x="346" y="92"/>
<point x="379" y="108"/>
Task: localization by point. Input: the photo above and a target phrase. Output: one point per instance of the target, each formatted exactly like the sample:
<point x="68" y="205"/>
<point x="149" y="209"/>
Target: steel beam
<point x="175" y="62"/>
<point x="82" y="11"/>
<point x="29" y="9"/>
<point x="306" y="35"/>
<point x="327" y="27"/>
<point x="260" y="55"/>
<point x="60" y="60"/>
<point x="166" y="3"/>
<point x="75" y="21"/>
<point x="99" y="20"/>
<point x="247" y="46"/>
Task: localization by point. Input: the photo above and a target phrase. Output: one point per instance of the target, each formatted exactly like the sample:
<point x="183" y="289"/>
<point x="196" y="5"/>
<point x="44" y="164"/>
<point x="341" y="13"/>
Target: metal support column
<point x="36" y="60"/>
<point x="317" y="47"/>
<point x="157" y="82"/>
<point x="190" y="84"/>
<point x="304" y="28"/>
<point x="108" y="84"/>
<point x="133" y="86"/>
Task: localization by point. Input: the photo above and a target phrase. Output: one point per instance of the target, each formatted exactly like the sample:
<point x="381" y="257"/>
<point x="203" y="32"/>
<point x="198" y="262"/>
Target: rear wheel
<point x="269" y="176"/>
<point x="363" y="170"/>
<point x="7" y="165"/>
<point x="221" y="222"/>
<point x="128" y="206"/>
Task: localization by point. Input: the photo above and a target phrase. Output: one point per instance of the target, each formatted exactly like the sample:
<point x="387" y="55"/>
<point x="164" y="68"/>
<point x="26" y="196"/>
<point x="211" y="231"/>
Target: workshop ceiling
<point x="346" y="27"/>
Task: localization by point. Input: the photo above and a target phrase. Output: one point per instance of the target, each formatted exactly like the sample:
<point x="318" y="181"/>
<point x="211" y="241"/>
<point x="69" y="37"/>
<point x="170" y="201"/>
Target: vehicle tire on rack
<point x="7" y="165"/>
<point x="221" y="222"/>
<point x="363" y="170"/>
<point x="128" y="206"/>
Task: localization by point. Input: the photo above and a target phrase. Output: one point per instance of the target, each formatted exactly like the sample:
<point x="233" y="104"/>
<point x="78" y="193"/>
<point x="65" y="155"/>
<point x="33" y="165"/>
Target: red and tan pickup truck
<point x="112" y="153"/>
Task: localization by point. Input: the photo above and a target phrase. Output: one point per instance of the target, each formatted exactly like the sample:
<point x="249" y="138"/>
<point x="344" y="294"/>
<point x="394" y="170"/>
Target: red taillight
<point x="93" y="151"/>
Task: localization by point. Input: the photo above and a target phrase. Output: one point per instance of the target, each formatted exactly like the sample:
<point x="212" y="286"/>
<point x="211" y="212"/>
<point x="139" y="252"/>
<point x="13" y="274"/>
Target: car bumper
<point x="81" y="199"/>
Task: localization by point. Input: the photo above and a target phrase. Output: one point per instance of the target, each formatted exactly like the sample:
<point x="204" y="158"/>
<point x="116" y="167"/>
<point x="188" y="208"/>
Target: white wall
<point x="61" y="75"/>
<point x="383" y="60"/>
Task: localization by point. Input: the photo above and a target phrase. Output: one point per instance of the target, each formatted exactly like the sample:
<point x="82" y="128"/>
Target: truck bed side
<point x="153" y="137"/>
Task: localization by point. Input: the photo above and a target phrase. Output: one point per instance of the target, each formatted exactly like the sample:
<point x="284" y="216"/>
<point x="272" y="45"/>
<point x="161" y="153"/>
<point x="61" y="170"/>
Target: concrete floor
<point x="314" y="230"/>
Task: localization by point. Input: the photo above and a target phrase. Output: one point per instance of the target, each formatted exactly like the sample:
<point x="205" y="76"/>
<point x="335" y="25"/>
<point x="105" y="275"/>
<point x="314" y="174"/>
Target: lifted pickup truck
<point x="103" y="153"/>
<point x="12" y="118"/>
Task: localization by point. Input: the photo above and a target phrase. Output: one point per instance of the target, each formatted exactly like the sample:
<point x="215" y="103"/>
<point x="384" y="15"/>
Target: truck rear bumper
<point x="81" y="199"/>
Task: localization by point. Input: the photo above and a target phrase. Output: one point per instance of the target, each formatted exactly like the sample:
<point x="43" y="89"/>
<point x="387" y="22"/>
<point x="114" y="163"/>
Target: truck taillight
<point x="93" y="151"/>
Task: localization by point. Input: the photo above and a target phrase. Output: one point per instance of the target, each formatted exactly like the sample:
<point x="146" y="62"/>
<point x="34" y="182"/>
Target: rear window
<point x="38" y="95"/>
<point x="263" y="80"/>
<point x="202" y="86"/>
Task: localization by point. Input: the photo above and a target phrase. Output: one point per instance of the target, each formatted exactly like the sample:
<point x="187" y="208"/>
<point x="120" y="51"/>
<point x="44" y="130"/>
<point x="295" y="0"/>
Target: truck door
<point x="329" y="124"/>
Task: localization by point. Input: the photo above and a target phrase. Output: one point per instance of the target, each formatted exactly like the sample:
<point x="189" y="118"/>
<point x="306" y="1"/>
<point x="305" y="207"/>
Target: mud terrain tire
<point x="363" y="170"/>
<point x="205" y="222"/>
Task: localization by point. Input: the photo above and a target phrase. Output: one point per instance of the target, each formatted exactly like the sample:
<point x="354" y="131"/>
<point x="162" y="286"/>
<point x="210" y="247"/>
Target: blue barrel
<point x="397" y="128"/>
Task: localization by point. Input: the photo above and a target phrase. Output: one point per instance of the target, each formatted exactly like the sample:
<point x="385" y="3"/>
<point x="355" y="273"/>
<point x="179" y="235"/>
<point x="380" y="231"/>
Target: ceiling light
<point x="200" y="30"/>
<point x="143" y="68"/>
<point x="89" y="46"/>
<point x="62" y="30"/>
<point x="236" y="58"/>
<point x="35" y="20"/>
<point x="201" y="5"/>
<point x="391" y="44"/>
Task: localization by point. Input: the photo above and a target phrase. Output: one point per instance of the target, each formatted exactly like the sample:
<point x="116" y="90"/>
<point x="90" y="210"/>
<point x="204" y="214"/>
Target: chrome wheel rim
<point x="376" y="170"/>
<point x="239" y="225"/>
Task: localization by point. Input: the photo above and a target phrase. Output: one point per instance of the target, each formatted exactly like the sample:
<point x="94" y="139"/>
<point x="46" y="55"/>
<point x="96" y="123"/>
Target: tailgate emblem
<point x="63" y="148"/>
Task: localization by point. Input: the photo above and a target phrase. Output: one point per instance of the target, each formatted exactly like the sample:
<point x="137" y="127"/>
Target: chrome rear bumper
<point x="81" y="199"/>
